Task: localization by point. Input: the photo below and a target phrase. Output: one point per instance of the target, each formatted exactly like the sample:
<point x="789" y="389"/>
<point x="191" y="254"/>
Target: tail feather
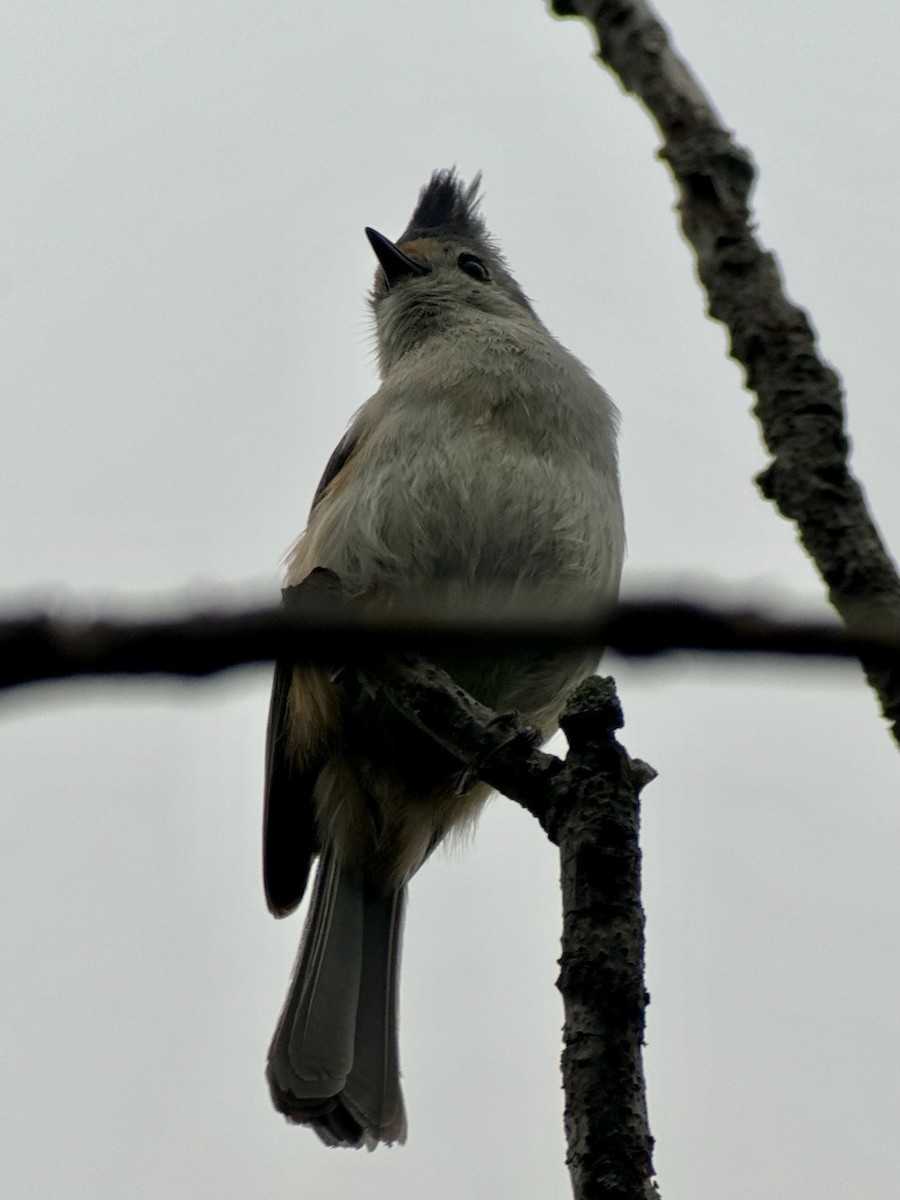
<point x="372" y="1091"/>
<point x="333" y="1061"/>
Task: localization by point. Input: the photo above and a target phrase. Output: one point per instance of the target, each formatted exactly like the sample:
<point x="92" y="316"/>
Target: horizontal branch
<point x="316" y="629"/>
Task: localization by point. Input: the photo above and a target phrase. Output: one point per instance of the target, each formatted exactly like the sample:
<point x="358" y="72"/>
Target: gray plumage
<point x="484" y="467"/>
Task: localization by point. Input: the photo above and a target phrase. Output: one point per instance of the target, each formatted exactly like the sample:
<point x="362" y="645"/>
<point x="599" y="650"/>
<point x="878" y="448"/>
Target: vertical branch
<point x="594" y="817"/>
<point x="800" y="402"/>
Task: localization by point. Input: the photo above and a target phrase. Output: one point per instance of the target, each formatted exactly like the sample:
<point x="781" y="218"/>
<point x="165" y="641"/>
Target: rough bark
<point x="799" y="397"/>
<point x="602" y="965"/>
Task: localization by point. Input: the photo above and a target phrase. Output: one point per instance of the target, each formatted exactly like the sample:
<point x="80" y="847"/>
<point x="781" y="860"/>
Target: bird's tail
<point x="333" y="1061"/>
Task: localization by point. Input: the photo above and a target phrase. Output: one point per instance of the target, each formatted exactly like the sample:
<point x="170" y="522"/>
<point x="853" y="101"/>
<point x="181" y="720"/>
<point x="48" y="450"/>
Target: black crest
<point x="447" y="206"/>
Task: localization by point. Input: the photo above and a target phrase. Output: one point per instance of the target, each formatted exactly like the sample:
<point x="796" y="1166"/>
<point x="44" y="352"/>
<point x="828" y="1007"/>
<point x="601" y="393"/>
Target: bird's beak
<point x="395" y="264"/>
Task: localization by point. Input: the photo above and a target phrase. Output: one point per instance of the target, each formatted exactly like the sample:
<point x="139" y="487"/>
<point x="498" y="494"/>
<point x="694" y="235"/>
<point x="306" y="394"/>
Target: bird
<point x="484" y="468"/>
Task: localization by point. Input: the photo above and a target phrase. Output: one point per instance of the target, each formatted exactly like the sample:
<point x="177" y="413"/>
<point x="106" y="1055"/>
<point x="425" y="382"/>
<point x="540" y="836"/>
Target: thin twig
<point x="800" y="405"/>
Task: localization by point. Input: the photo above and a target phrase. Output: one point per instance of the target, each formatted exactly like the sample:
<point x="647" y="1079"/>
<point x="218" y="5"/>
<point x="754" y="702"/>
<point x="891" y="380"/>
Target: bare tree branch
<point x="496" y="747"/>
<point x="800" y="404"/>
<point x="602" y="965"/>
<point x="589" y="806"/>
<point x="312" y="629"/>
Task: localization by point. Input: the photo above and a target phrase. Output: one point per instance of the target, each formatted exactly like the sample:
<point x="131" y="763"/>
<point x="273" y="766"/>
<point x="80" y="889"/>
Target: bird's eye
<point x="472" y="265"/>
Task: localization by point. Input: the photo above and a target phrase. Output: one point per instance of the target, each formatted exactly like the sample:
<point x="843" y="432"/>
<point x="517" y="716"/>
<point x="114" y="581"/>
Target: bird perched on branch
<point x="483" y="468"/>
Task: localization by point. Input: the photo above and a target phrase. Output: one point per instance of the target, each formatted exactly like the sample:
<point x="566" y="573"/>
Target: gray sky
<point x="182" y="280"/>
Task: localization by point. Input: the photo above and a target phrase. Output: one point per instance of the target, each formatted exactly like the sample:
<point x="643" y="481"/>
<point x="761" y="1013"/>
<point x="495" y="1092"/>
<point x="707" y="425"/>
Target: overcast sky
<point x="185" y="336"/>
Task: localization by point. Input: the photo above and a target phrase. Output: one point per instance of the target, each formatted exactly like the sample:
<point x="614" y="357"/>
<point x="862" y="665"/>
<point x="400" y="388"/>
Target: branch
<point x="602" y="965"/>
<point x="496" y="747"/>
<point x="800" y="405"/>
<point x="316" y="629"/>
<point x="589" y="807"/>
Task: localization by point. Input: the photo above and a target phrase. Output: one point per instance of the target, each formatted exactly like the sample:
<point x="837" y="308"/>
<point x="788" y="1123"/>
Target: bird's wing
<point x="340" y="456"/>
<point x="290" y="837"/>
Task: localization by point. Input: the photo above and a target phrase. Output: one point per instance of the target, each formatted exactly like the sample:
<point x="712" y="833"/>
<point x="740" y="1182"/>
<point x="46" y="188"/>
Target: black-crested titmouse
<point x="484" y="467"/>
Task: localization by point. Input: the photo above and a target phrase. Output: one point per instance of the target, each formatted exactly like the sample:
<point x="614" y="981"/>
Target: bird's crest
<point x="448" y="207"/>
